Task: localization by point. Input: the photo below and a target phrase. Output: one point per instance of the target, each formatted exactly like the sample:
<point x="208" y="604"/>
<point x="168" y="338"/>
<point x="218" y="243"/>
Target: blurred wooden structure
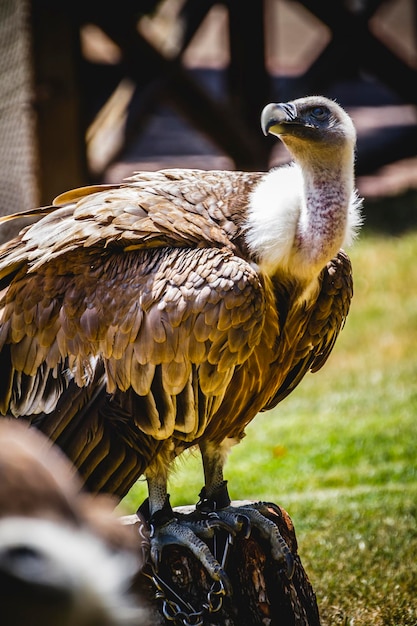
<point x="69" y="90"/>
<point x="64" y="84"/>
<point x="354" y="49"/>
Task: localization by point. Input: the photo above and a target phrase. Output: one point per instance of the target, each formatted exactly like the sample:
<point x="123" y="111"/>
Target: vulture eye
<point x="320" y="113"/>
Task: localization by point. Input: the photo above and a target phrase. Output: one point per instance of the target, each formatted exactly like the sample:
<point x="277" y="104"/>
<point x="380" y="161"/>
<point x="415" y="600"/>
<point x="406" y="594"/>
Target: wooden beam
<point x="58" y="100"/>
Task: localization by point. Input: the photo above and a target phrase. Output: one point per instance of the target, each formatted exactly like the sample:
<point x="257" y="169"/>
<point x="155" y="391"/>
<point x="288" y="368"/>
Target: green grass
<point x="340" y="453"/>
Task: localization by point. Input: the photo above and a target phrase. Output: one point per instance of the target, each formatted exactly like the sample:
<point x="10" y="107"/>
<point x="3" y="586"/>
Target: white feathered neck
<point x="298" y="220"/>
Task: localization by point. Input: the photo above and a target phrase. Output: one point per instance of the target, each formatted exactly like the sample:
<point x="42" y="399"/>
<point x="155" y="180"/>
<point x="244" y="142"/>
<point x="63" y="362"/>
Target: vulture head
<point x="302" y="214"/>
<point x="64" y="558"/>
<point x="311" y="126"/>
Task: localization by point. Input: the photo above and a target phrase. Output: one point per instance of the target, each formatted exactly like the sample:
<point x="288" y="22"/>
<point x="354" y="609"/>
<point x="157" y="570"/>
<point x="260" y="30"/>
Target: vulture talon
<point x="235" y="522"/>
<point x="205" y="524"/>
<point x="245" y="517"/>
<point x="280" y="551"/>
<point x="169" y="528"/>
<point x="178" y="533"/>
<point x="266" y="528"/>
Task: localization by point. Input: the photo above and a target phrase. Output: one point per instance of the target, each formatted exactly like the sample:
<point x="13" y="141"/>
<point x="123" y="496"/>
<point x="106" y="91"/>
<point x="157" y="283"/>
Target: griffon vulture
<point x="139" y="319"/>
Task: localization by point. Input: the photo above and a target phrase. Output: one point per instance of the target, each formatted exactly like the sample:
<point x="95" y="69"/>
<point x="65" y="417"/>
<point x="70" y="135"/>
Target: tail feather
<point x="99" y="437"/>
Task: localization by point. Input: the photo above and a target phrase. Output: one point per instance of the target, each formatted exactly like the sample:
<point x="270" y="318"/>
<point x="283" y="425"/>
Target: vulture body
<point x="137" y="320"/>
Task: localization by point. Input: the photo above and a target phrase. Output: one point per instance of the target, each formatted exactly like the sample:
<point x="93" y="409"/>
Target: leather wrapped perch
<point x="180" y="592"/>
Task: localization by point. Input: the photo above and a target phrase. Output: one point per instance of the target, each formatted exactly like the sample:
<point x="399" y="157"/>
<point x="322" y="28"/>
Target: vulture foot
<point x="168" y="527"/>
<point x="255" y="515"/>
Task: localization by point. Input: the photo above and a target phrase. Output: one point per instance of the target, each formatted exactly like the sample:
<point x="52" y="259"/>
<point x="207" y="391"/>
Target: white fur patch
<point x="354" y="220"/>
<point x="277" y="213"/>
<point x="273" y="215"/>
<point x="96" y="577"/>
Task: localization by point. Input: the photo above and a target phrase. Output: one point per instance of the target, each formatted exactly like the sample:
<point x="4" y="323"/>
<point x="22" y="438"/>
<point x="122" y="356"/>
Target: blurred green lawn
<point x="340" y="453"/>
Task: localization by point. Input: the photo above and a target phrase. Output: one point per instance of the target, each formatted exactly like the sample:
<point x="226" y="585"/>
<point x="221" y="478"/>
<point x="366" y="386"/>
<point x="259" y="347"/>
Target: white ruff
<point x="354" y="219"/>
<point x="273" y="215"/>
<point x="276" y="213"/>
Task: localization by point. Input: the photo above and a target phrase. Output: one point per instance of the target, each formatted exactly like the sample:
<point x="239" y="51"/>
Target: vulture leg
<point x="171" y="528"/>
<point x="214" y="497"/>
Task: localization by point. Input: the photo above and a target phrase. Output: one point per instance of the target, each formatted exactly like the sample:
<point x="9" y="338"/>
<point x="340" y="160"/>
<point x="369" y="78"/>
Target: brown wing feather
<point x="142" y="281"/>
<point x="73" y="195"/>
<point x="95" y="431"/>
<point x="171" y="308"/>
<point x="324" y="323"/>
<point x="150" y="210"/>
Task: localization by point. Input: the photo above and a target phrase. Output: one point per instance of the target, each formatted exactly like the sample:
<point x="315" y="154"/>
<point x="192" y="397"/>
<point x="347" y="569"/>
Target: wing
<point x="98" y="435"/>
<point x="124" y="312"/>
<point x="170" y="323"/>
<point x="154" y="209"/>
<point x="325" y="321"/>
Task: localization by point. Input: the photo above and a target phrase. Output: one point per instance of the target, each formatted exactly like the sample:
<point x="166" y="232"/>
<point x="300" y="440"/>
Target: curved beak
<point x="276" y="116"/>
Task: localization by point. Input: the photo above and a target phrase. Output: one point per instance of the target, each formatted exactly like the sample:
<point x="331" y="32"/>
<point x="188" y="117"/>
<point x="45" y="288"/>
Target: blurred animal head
<point x="65" y="559"/>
